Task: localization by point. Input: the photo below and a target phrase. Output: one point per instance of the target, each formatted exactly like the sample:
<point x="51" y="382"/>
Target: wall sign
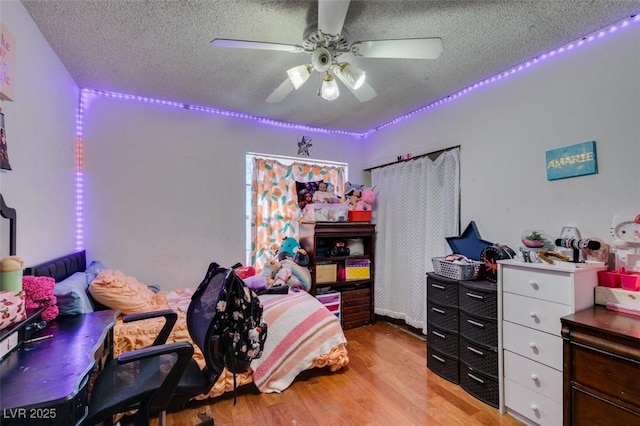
<point x="571" y="161"/>
<point x="7" y="63"/>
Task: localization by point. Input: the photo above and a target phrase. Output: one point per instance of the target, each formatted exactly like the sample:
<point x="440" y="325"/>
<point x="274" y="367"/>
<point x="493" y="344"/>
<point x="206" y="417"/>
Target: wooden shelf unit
<point x="357" y="294"/>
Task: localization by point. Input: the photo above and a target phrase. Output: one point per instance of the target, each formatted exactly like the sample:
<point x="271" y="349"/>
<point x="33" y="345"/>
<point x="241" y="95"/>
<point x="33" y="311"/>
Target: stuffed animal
<point x="352" y="194"/>
<point x="39" y="293"/>
<point x="290" y="249"/>
<point x="366" y="200"/>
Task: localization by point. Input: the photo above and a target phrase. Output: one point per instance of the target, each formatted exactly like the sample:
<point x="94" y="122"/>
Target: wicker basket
<point x="455" y="271"/>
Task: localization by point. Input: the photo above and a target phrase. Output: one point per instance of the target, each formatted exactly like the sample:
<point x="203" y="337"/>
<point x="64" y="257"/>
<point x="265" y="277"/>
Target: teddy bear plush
<point x="39" y="293"/>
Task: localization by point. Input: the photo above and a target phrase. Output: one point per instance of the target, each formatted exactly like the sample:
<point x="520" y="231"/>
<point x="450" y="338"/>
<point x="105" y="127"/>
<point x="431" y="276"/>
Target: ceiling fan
<point x="325" y="43"/>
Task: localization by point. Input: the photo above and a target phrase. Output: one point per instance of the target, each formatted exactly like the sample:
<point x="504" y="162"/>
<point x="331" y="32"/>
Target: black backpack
<point x="237" y="320"/>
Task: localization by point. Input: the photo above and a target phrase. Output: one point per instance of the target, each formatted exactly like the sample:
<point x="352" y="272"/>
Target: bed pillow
<point x="93" y="270"/>
<point x="72" y="294"/>
<point x="115" y="290"/>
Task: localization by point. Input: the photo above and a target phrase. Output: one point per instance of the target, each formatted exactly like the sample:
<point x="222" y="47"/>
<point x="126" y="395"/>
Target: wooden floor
<point x="386" y="383"/>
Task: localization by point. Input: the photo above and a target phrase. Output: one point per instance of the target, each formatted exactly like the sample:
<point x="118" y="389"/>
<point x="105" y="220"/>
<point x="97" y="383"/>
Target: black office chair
<point x="159" y="377"/>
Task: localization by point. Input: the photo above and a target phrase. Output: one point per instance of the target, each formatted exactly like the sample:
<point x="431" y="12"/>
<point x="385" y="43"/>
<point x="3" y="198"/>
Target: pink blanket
<point x="301" y="329"/>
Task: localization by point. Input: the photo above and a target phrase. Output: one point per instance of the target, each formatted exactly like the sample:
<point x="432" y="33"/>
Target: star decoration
<point x="469" y="242"/>
<point x="303" y="145"/>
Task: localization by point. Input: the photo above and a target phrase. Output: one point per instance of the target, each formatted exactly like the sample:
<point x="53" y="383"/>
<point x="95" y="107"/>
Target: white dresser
<point x="532" y="297"/>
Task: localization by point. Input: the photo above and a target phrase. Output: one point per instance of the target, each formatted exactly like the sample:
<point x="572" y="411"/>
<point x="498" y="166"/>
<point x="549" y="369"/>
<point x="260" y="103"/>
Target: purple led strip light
<point x="276" y="123"/>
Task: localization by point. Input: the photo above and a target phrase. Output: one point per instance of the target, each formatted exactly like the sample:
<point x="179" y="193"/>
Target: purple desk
<point x="46" y="382"/>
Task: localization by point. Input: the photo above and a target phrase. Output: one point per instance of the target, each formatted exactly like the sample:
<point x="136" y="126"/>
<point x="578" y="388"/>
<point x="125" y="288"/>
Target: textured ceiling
<point x="162" y="49"/>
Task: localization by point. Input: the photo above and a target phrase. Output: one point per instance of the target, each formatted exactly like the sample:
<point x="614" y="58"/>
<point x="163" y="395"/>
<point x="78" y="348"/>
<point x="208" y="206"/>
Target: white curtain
<point x="418" y="206"/>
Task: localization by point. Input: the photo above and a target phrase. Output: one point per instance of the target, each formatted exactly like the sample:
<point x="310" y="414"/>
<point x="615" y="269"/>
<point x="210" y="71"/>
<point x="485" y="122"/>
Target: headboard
<point x="9" y="213"/>
<point x="60" y="268"/>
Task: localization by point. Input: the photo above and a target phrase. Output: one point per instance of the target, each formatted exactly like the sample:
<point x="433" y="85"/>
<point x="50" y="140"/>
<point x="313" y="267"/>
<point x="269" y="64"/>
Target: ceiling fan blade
<point x="281" y="92"/>
<point x="331" y="16"/>
<point x="408" y="48"/>
<point x="261" y="45"/>
<point x="364" y="93"/>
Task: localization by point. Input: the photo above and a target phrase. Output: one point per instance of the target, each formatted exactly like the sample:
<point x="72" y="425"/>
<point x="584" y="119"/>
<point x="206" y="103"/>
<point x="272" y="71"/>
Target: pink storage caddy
<point x="619" y="279"/>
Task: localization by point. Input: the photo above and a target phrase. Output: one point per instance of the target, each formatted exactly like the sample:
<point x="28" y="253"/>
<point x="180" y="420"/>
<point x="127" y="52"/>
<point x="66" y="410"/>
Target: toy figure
<point x="322" y="195"/>
<point x="352" y="193"/>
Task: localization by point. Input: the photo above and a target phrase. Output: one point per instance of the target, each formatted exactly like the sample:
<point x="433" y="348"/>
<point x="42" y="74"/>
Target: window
<point x="271" y="208"/>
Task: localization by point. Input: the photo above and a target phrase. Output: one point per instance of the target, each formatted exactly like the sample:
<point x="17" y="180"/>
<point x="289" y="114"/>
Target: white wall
<point x="504" y="130"/>
<point x="40" y="124"/>
<point x="165" y="187"/>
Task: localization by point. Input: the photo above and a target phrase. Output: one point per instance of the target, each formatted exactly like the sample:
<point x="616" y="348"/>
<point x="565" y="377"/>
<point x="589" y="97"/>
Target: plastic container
<point x="359" y="216"/>
<point x="457" y="271"/>
<point x="608" y="279"/>
<point x="630" y="281"/>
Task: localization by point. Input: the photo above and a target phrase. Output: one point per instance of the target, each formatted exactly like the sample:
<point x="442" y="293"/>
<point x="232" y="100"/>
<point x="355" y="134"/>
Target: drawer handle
<point x="440" y="311"/>
<point x="534" y="407"/>
<point x="438" y="358"/>
<point x="476" y="378"/>
<point x="533" y="315"/>
<point x="477" y="296"/>
<point x="533" y="284"/>
<point x="476" y="323"/>
<point x="440" y="335"/>
<point x="534" y="347"/>
<point x="475" y="350"/>
<point x="438" y="286"/>
<point x="534" y="377"/>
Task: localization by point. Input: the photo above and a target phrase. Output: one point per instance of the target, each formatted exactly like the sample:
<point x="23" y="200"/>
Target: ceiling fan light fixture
<point x="352" y="76"/>
<point x="298" y="75"/>
<point x="329" y="90"/>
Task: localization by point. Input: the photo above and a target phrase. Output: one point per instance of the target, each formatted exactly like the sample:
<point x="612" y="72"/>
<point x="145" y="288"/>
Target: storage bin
<point x="326" y="273"/>
<point x="357" y="269"/>
<point x="457" y="271"/>
<point x="630" y="281"/>
<point x="324" y="212"/>
<point x="359" y="216"/>
<point x="608" y="279"/>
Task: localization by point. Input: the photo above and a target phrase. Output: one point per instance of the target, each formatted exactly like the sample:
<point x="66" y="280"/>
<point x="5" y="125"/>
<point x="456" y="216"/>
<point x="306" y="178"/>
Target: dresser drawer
<point x="444" y="365"/>
<point x="479" y="357"/>
<point x="443" y="340"/>
<point x="442" y="291"/>
<point x="587" y="409"/>
<point x="478" y="384"/>
<point x="536" y="345"/>
<point x="478" y="299"/>
<point x="535" y="313"/>
<point x="538" y="408"/>
<point x="553" y="286"/>
<point x="443" y="316"/>
<point x="478" y="329"/>
<point x="610" y="374"/>
<point x="533" y="375"/>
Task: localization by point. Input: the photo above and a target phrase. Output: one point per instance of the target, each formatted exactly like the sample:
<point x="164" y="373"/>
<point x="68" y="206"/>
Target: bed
<point x="302" y="335"/>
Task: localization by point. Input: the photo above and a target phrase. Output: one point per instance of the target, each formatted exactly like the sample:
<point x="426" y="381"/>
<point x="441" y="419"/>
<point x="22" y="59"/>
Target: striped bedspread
<point x="300" y="331"/>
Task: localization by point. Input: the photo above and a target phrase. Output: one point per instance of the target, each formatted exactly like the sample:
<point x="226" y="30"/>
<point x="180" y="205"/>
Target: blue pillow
<point x="93" y="270"/>
<point x="72" y="294"/>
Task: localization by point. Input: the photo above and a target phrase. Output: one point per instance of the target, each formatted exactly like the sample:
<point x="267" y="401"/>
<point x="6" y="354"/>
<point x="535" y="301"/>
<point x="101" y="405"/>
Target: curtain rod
<point x="435" y="155"/>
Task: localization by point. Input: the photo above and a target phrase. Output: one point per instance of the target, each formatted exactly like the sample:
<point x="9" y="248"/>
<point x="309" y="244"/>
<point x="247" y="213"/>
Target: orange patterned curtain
<point x="275" y="214"/>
